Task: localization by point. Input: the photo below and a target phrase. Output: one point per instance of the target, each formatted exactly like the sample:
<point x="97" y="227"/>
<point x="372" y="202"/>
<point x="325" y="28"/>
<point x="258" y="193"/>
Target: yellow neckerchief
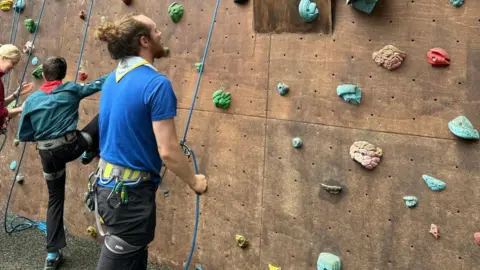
<point x="128" y="64"/>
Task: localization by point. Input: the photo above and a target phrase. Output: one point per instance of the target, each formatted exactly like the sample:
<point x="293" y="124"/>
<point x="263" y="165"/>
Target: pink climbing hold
<point x="366" y="154"/>
<point x="29" y="47"/>
<point x="476" y="236"/>
<point x="434" y="231"/>
<point x="82" y="75"/>
<point x="438" y="57"/>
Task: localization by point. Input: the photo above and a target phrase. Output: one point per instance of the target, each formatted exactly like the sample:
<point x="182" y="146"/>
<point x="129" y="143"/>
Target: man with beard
<point x="137" y="136"/>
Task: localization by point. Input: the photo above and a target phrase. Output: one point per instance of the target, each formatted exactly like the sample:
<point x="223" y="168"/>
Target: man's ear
<point x="144" y="41"/>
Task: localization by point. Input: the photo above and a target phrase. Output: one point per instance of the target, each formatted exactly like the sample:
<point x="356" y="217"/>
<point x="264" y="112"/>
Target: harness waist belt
<point x="54" y="143"/>
<point x="110" y="171"/>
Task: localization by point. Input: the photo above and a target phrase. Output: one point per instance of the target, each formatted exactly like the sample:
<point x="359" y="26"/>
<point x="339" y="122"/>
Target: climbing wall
<point x="259" y="185"/>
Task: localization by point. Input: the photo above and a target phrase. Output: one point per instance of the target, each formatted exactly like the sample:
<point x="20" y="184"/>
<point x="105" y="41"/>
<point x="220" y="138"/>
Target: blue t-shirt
<point x="127" y="109"/>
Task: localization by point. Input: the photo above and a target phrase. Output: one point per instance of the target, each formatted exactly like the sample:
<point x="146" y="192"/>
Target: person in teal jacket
<point x="50" y="118"/>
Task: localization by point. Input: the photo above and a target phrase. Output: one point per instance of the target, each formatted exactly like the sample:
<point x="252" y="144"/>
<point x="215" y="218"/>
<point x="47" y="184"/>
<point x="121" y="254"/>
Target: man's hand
<point x="200" y="185"/>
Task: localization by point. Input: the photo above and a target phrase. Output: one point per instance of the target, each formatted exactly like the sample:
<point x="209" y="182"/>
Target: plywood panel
<point x="231" y="157"/>
<point x="368" y="225"/>
<point x="415" y="99"/>
<point x="283" y="17"/>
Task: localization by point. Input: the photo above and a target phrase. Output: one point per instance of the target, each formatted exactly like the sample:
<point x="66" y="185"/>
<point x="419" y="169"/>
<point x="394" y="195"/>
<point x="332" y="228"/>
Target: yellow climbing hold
<point x="6" y="5"/>
<point x="271" y="267"/>
<point x="241" y="241"/>
<point x="92" y="231"/>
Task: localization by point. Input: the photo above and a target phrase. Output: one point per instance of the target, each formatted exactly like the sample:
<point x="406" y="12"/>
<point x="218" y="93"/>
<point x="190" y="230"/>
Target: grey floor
<point x="25" y="250"/>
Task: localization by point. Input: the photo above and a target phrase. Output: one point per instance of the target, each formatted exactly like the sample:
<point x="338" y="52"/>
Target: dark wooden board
<point x="282" y="16"/>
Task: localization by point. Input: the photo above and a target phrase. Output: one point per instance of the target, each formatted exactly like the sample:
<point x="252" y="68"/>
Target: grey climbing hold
<point x="282" y="88"/>
<point x="297" y="142"/>
<point x="434" y="183"/>
<point x="328" y="261"/>
<point x="456" y="3"/>
<point x="20" y="179"/>
<point x="35" y="61"/>
<point x="410" y="201"/>
<point x="308" y="10"/>
<point x="463" y="128"/>
<point x="198" y="66"/>
<point x="13" y="165"/>
<point x="350" y="93"/>
<point x="332" y="189"/>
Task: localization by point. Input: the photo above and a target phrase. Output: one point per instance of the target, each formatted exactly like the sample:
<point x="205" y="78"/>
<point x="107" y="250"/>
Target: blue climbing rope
<point x="11" y="40"/>
<point x="184" y="140"/>
<point x="23" y="225"/>
<point x="84" y="39"/>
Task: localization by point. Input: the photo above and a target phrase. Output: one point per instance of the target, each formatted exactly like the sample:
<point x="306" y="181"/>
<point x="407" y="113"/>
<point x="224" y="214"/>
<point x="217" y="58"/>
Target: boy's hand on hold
<point x="200" y="185"/>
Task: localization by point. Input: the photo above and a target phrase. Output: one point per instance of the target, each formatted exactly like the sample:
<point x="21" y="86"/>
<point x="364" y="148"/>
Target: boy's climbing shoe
<point x="53" y="260"/>
<point x="88" y="156"/>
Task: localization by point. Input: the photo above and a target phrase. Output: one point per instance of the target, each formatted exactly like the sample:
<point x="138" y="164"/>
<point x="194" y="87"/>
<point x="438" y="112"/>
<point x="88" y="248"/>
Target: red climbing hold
<point x="82" y="75"/>
<point x="81" y="14"/>
<point x="127" y="2"/>
<point x="438" y="57"/>
<point x="476" y="236"/>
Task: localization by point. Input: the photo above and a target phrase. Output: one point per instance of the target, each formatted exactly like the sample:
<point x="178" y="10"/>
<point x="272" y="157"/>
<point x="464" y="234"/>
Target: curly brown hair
<point x="123" y="36"/>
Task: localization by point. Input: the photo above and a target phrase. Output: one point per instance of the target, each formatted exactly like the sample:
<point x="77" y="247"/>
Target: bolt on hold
<point x="434" y="231"/>
<point x="241" y="241"/>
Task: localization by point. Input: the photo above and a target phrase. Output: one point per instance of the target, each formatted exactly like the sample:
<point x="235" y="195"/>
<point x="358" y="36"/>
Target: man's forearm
<point x="177" y="162"/>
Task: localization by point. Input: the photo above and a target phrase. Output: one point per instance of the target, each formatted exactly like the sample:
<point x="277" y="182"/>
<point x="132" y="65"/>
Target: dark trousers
<point x="54" y="163"/>
<point x="134" y="222"/>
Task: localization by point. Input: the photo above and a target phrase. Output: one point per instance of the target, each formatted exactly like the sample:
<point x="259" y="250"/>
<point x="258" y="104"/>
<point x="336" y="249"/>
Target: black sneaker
<point x="53" y="264"/>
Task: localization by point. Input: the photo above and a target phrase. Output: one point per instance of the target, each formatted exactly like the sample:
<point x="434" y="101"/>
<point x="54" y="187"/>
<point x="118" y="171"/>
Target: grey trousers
<point x="133" y="222"/>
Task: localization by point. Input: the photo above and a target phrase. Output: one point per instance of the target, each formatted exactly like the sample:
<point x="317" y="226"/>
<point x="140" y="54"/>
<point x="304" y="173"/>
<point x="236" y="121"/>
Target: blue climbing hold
<point x="308" y="10"/>
<point x="434" y="183"/>
<point x="13" y="165"/>
<point x="198" y="267"/>
<point x="282" y="89"/>
<point x="35" y="61"/>
<point x="456" y="3"/>
<point x="410" y="201"/>
<point x="350" y="93"/>
<point x="328" y="261"/>
<point x="366" y="6"/>
<point x="19" y="6"/>
<point x="463" y="128"/>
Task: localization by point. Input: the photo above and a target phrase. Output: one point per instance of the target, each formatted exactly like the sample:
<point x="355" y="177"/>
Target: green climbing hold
<point x="167" y="50"/>
<point x="221" y="99"/>
<point x="16" y="142"/>
<point x="308" y="10"/>
<point x="366" y="6"/>
<point x="463" y="128"/>
<point x="37" y="73"/>
<point x="175" y="10"/>
<point x="328" y="261"/>
<point x="282" y="89"/>
<point x="350" y="93"/>
<point x="456" y="3"/>
<point x="198" y="66"/>
<point x="31" y="25"/>
<point x="297" y="142"/>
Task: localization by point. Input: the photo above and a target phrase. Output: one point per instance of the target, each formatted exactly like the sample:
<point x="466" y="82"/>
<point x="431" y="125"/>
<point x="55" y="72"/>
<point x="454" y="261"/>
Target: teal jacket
<point x="49" y="116"/>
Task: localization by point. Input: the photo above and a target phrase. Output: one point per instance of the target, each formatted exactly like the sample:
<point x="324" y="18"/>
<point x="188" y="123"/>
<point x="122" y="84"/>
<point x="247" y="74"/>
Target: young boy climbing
<point x="50" y="118"/>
